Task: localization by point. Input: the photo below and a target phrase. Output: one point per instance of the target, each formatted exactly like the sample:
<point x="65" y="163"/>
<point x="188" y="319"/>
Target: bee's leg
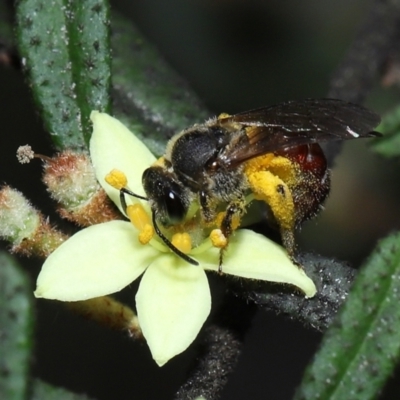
<point x="206" y="211"/>
<point x="276" y="193"/>
<point x="229" y="224"/>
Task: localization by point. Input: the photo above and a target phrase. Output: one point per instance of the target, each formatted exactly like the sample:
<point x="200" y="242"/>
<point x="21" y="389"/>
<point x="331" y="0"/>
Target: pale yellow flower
<point x="173" y="299"/>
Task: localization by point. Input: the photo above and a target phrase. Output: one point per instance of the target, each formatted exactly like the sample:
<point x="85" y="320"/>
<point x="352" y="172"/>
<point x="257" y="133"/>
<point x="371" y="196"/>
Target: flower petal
<point x="96" y="261"/>
<point x="253" y="256"/>
<point x="173" y="302"/>
<point x="113" y="146"/>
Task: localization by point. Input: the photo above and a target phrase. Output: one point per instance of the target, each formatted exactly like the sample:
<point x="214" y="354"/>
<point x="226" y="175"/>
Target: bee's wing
<point x="295" y="123"/>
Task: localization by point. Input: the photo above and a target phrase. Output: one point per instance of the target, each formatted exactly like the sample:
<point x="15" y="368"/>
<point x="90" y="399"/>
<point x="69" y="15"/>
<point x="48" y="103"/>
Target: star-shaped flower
<point x="173" y="299"/>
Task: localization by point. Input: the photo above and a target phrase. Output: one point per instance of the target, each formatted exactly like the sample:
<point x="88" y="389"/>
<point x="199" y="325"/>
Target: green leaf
<point x="148" y="96"/>
<point x="360" y="349"/>
<point x="15" y="329"/>
<point x="44" y="391"/>
<point x="389" y="144"/>
<point x="65" y="50"/>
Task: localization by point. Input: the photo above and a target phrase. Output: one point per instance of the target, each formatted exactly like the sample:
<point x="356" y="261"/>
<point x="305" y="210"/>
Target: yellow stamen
<point x="141" y="221"/>
<point x="117" y="179"/>
<point x="218" y="239"/>
<point x="146" y="234"/>
<point x="182" y="242"/>
<point x="138" y="216"/>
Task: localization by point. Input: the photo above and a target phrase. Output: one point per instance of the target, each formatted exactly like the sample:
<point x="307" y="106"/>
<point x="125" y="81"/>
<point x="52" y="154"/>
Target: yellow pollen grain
<point x="138" y="216"/>
<point x="236" y="222"/>
<point x="218" y="239"/>
<point x="236" y="219"/>
<point x="219" y="218"/>
<point x="159" y="163"/>
<point x="276" y="194"/>
<point x="223" y="115"/>
<point x="117" y="179"/>
<point x="277" y="165"/>
<point x="182" y="242"/>
<point x="146" y="234"/>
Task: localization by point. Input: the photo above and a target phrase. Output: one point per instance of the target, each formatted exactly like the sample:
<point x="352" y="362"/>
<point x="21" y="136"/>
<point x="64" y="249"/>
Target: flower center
<point x="141" y="220"/>
<point x="193" y="236"/>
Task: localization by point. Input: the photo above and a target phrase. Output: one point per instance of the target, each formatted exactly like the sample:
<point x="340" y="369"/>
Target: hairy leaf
<point x="15" y="329"/>
<point x="360" y="349"/>
<point x="65" y="50"/>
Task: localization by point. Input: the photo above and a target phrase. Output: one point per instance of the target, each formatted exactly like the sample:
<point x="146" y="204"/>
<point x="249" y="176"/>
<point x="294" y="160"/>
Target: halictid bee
<point x="271" y="154"/>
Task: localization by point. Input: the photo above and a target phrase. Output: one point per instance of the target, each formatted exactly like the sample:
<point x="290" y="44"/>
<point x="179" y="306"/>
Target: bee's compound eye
<point x="168" y="198"/>
<point x="174" y="207"/>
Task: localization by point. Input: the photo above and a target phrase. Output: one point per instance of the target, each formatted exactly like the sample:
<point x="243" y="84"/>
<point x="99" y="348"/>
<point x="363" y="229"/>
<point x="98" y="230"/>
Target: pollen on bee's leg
<point x="183" y="242"/>
<point x="235" y="222"/>
<point x="276" y="194"/>
<point x="117" y="179"/>
<point x="218" y="239"/>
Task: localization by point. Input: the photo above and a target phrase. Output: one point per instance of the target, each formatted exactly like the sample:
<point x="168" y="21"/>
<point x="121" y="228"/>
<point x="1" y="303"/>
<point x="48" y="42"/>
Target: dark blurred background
<point x="237" y="55"/>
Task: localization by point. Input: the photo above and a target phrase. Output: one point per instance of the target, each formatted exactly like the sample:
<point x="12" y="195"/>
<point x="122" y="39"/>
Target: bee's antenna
<point x="170" y="245"/>
<point x="122" y="193"/>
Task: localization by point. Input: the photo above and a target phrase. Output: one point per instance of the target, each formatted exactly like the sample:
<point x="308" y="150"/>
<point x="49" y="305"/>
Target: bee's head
<point x="168" y="198"/>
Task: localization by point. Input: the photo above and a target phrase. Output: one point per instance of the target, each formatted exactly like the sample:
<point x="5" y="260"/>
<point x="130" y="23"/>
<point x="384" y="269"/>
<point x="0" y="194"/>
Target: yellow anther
<point x="138" y="216"/>
<point x="182" y="242"/>
<point x="146" y="234"/>
<point x="117" y="179"/>
<point x="218" y="239"/>
<point x="141" y="221"/>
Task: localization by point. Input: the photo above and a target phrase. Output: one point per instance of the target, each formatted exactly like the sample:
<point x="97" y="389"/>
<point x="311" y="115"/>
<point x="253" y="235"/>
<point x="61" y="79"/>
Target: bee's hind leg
<point x="288" y="241"/>
<point x="276" y="193"/>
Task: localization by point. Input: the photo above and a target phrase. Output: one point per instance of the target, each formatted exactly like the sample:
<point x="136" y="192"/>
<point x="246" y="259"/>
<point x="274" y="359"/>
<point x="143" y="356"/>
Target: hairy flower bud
<point x="24" y="227"/>
<point x="72" y="183"/>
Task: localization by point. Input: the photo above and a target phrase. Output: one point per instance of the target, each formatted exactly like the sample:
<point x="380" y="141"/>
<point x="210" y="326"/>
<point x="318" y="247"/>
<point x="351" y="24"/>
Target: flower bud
<point x="72" y="183"/>
<point x="24" y="227"/>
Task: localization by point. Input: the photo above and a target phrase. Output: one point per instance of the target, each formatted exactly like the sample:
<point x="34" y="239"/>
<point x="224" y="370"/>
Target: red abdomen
<point x="312" y="183"/>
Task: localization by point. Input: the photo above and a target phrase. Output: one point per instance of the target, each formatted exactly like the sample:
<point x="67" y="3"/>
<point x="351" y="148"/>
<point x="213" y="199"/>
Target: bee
<point x="272" y="153"/>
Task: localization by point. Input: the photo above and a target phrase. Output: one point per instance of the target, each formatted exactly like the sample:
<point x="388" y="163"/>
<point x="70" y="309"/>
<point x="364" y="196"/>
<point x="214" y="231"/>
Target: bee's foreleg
<point x="207" y="210"/>
<point x="229" y="223"/>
